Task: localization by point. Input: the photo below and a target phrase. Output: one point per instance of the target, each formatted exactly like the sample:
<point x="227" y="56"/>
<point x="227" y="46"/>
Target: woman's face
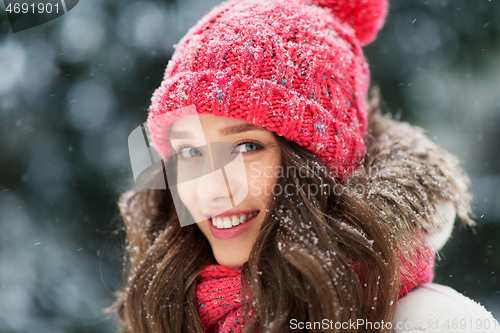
<point x="229" y="198"/>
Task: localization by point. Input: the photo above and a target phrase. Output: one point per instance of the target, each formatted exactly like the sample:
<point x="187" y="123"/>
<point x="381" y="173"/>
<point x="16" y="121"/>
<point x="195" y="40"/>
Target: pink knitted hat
<point x="293" y="66"/>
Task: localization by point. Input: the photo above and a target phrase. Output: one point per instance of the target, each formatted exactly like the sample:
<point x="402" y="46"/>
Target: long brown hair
<point x="331" y="254"/>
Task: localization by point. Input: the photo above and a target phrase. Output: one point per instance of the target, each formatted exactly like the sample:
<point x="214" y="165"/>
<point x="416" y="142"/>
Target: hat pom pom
<point x="366" y="17"/>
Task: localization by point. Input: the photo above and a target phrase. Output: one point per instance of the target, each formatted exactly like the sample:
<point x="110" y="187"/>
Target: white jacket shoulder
<point x="434" y="308"/>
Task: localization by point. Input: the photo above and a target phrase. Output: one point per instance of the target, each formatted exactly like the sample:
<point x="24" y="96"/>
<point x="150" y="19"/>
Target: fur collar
<point x="412" y="182"/>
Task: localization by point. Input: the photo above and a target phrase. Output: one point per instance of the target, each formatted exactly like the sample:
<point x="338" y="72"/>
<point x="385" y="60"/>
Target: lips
<point x="229" y="221"/>
<point x="242" y="221"/>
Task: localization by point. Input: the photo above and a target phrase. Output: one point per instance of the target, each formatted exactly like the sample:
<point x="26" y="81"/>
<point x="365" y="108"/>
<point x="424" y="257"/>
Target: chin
<point x="232" y="252"/>
<point x="230" y="259"/>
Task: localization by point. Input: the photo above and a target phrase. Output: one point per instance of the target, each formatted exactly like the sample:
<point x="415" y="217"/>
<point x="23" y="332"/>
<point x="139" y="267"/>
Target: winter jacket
<point x="434" y="308"/>
<point x="419" y="187"/>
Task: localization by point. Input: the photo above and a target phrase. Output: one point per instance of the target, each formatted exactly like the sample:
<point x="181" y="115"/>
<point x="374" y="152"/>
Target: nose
<point x="213" y="187"/>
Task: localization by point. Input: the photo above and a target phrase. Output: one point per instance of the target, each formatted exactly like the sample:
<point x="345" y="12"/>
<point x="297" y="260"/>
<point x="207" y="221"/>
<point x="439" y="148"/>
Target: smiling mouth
<point x="229" y="221"/>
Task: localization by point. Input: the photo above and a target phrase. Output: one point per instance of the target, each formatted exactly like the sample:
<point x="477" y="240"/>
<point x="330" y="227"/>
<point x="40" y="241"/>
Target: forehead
<point x="212" y="126"/>
<point x="193" y="122"/>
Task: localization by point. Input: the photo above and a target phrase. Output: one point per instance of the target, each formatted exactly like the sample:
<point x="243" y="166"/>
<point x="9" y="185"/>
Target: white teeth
<point x="227" y="222"/>
<point x="235" y="220"/>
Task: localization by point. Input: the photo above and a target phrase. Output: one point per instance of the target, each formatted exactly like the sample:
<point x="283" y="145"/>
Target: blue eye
<point x="189" y="152"/>
<point x="246" y="147"/>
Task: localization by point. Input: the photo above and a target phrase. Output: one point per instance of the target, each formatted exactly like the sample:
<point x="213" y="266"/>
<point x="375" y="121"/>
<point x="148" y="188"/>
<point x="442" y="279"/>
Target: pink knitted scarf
<point x="218" y="291"/>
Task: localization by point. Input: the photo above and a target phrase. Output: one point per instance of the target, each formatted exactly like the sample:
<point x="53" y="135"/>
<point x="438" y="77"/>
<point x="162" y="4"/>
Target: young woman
<point x="291" y="204"/>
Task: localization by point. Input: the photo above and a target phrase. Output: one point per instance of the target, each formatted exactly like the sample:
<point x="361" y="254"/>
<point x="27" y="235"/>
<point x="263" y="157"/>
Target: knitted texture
<point x="287" y="65"/>
<point x="218" y="295"/>
<point x="218" y="290"/>
<point x="365" y="16"/>
<point x="420" y="271"/>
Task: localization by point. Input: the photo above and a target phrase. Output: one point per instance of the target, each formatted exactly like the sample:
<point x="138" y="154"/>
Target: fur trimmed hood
<point x="413" y="183"/>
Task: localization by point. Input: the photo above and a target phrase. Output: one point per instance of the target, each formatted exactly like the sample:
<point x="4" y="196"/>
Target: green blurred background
<point x="72" y="90"/>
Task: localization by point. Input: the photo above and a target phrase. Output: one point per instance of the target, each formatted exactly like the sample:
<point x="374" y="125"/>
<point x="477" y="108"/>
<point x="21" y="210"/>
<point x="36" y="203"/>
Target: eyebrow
<point x="225" y="131"/>
<point x="229" y="130"/>
<point x="181" y="135"/>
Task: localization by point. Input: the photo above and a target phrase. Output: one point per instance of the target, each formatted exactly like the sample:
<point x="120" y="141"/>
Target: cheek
<point x="205" y="229"/>
<point x="187" y="193"/>
<point x="262" y="178"/>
